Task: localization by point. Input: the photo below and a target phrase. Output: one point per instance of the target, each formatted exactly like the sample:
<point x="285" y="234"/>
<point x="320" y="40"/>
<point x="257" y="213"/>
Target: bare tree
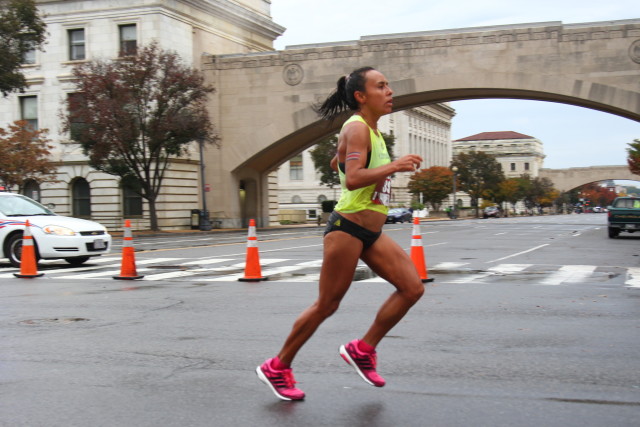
<point x="134" y="114"/>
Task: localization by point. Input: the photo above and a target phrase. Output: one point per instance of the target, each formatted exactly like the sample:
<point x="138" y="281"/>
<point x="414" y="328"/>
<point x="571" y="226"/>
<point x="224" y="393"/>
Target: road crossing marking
<point x="509" y="268"/>
<point x="449" y="265"/>
<point x="230" y="269"/>
<point x="633" y="277"/>
<point x="110" y="273"/>
<point x="569" y="274"/>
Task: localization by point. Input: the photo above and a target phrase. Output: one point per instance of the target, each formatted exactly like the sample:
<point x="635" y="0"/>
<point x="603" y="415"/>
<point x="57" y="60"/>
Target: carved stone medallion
<point x="634" y="51"/>
<point x="292" y="74"/>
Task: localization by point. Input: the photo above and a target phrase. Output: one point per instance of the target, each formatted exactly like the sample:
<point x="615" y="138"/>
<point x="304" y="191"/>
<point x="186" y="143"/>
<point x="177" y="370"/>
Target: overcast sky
<point x="572" y="136"/>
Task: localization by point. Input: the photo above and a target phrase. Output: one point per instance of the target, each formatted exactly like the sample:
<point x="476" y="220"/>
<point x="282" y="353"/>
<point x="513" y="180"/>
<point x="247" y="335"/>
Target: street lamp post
<point x="454" y="169"/>
<point x="205" y="224"/>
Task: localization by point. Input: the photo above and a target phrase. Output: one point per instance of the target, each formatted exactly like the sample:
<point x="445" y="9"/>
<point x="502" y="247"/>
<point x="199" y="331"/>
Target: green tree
<point x="633" y="158"/>
<point x="25" y="155"/>
<point x="478" y="172"/>
<point x="434" y="183"/>
<point x="133" y="115"/>
<point x="21" y="30"/>
<point x="321" y="155"/>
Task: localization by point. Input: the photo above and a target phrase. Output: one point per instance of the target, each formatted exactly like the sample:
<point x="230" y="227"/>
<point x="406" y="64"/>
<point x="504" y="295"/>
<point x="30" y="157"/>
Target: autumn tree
<point x="434" y="183"/>
<point x="597" y="195"/>
<point x="134" y="114"/>
<point x="633" y="158"/>
<point x="510" y="192"/>
<point x="25" y="155"/>
<point x="537" y="192"/>
<point x="478" y="172"/>
<point x="21" y="31"/>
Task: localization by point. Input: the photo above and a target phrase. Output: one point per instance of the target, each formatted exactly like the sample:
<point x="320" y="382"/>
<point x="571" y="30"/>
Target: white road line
<point x="449" y="265"/>
<point x="509" y="268"/>
<point x="206" y="261"/>
<point x="519" y="253"/>
<point x="633" y="277"/>
<point x="569" y="274"/>
<point x="265" y="273"/>
<point x="110" y="272"/>
<point x="467" y="278"/>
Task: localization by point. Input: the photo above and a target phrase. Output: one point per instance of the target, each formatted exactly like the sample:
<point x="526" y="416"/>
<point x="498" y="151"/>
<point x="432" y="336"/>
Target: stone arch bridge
<point x="263" y="105"/>
<point x="568" y="179"/>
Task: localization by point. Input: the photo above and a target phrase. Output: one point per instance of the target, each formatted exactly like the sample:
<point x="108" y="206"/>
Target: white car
<point x="72" y="239"/>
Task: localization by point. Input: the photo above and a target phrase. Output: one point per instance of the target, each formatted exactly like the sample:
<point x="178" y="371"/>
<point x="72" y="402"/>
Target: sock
<point x="364" y="347"/>
<point x="278" y="365"/>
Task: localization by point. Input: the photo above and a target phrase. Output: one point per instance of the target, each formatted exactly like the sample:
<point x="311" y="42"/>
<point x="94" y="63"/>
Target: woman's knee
<point x="326" y="309"/>
<point x="414" y="292"/>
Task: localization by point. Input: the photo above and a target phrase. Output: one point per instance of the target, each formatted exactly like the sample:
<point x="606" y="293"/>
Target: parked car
<point x="491" y="212"/>
<point x="399" y="215"/>
<point x="623" y="215"/>
<point x="72" y="239"/>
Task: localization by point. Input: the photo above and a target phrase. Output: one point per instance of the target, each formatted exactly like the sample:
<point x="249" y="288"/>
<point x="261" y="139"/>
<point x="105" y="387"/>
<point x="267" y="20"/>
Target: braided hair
<point x="343" y="99"/>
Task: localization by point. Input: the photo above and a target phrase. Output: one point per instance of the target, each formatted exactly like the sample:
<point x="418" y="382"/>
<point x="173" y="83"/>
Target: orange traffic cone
<point x="128" y="265"/>
<point x="252" y="272"/>
<point x="417" y="252"/>
<point x="28" y="264"/>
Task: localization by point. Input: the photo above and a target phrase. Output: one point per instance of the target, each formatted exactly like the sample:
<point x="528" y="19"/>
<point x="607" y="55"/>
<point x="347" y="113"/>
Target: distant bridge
<point x="568" y="179"/>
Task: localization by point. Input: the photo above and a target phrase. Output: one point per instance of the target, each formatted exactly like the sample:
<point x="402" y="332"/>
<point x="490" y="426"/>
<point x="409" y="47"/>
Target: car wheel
<point x="13" y="249"/>
<point x="613" y="232"/>
<point x="78" y="260"/>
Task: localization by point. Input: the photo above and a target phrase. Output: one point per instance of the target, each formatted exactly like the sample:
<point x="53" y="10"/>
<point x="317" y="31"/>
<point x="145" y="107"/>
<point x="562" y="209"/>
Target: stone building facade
<point x="518" y="154"/>
<point x="424" y="130"/>
<point x="84" y="30"/>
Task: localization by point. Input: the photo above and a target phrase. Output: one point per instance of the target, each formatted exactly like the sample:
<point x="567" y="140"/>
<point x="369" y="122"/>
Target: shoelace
<point x="287" y="376"/>
<point x="366" y="361"/>
<point x="373" y="360"/>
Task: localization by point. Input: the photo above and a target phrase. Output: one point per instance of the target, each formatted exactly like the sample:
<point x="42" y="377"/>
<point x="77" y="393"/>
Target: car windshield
<point x="19" y="205"/>
<point x="627" y="203"/>
<point x="395" y="210"/>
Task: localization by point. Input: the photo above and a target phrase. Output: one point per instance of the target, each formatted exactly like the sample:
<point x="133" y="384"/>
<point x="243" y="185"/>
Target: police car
<point x="72" y="239"/>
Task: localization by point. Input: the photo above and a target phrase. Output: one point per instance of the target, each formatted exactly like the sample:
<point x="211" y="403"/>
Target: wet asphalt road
<point x="501" y="350"/>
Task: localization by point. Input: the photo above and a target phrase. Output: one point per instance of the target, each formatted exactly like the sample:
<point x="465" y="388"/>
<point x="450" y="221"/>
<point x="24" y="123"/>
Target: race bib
<point x="382" y="193"/>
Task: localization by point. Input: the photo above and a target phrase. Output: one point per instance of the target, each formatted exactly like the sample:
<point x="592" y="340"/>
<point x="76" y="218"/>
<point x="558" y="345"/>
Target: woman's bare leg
<point x="340" y="258"/>
<point x="392" y="263"/>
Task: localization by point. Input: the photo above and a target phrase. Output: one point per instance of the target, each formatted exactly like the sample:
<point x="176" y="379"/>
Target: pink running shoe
<point x="281" y="382"/>
<point x="363" y="363"/>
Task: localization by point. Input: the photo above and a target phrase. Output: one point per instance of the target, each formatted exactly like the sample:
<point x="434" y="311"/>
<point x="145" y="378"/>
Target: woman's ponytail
<point x="343" y="99"/>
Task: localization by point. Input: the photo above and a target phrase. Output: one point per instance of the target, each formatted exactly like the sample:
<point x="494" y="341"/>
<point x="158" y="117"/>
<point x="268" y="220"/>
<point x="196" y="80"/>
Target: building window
<point x="295" y="168"/>
<point x="296" y="199"/>
<point x="29" y="110"/>
<point x="29" y="56"/>
<point x="513" y="167"/>
<point x="526" y="166"/>
<point x="322" y="198"/>
<point x="74" y="101"/>
<point x="81" y="195"/>
<point x="131" y="202"/>
<point x="32" y="189"/>
<point x="76" y="45"/>
<point x="128" y="40"/>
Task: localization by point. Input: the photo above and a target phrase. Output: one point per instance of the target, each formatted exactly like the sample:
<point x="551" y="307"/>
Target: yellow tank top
<point x="375" y="197"/>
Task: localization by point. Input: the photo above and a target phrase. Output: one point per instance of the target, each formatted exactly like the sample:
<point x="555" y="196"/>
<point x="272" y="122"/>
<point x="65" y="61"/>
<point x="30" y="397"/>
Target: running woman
<point x="354" y="231"/>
